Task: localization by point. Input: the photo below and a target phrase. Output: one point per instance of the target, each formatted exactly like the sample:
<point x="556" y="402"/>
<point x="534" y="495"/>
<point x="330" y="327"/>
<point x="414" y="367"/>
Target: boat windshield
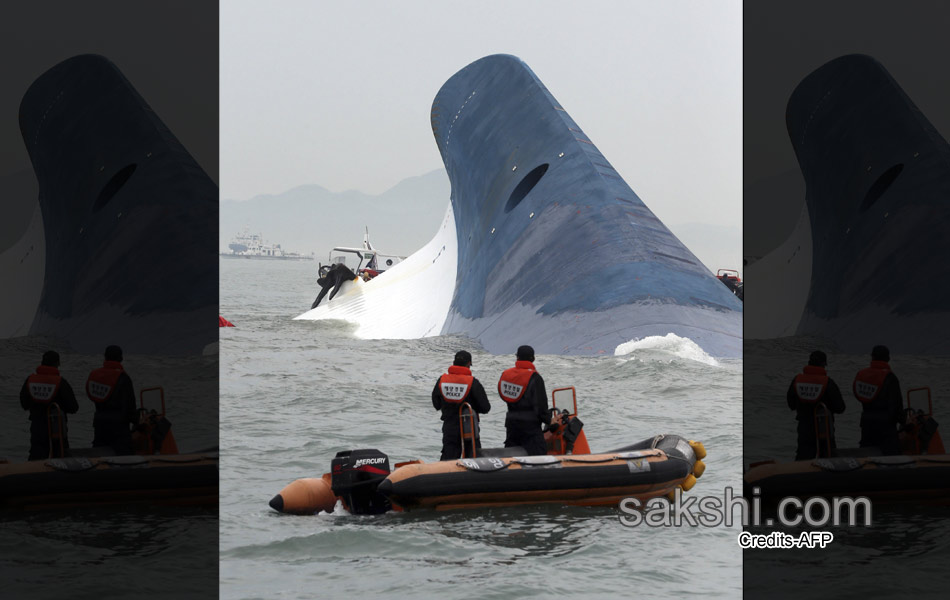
<point x="348" y="256"/>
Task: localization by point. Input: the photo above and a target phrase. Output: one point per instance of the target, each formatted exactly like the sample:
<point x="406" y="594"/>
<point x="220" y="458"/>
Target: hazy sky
<point x="169" y="60"/>
<point x="784" y="42"/>
<point x="338" y="93"/>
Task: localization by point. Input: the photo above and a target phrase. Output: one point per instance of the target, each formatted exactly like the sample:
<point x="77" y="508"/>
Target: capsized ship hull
<point x="551" y="247"/>
<point x="130" y="219"/>
<point x="868" y="263"/>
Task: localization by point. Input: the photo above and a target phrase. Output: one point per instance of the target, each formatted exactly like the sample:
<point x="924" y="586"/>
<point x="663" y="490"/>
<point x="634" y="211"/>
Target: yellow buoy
<point x="698" y="449"/>
<point x="699" y="468"/>
<point x="689" y="482"/>
<point x="672" y="495"/>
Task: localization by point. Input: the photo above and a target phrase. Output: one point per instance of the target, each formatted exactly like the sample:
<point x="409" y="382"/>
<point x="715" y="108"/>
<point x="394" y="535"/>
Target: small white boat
<point x="366" y="261"/>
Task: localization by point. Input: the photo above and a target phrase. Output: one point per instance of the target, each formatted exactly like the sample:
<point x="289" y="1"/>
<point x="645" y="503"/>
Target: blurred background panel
<point x="109" y="192"/>
<point x="846" y="198"/>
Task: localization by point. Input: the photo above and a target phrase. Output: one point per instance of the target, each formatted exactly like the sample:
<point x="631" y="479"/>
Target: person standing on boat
<point x="522" y="388"/>
<point x="39" y="392"/>
<point x="810" y="389"/>
<point x="879" y="391"/>
<point x="110" y="389"/>
<point x="450" y="392"/>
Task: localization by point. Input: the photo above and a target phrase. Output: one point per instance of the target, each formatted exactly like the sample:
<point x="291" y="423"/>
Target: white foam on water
<point x="669" y="344"/>
<point x="410" y="300"/>
<point x="338" y="511"/>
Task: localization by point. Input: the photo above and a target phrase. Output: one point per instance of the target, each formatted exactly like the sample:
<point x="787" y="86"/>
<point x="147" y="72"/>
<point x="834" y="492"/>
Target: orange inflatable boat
<point x="569" y="474"/>
<point x="921" y="473"/>
<point x="180" y="479"/>
<point x="156" y="474"/>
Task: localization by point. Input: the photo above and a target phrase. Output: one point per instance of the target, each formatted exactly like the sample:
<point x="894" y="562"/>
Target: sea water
<point x="98" y="552"/>
<point x="294" y="393"/>
<point x="903" y="553"/>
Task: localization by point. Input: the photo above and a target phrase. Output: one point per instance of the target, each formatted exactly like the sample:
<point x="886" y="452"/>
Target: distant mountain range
<point x="310" y="218"/>
<point x="401" y="220"/>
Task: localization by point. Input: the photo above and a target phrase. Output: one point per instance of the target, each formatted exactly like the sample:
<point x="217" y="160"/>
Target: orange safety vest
<point x="44" y="384"/>
<point x="456" y="384"/>
<point x="810" y="384"/>
<point x="868" y="382"/>
<point x="101" y="382"/>
<point x="514" y="381"/>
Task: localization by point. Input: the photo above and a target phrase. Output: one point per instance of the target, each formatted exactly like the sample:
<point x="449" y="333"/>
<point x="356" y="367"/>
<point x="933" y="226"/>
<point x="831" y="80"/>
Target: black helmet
<point x="525" y="353"/>
<point x="463" y="358"/>
<point x="113" y="353"/>
<point x="50" y="358"/>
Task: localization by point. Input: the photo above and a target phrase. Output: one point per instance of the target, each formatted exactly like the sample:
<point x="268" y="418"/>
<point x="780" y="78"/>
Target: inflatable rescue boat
<point x="492" y="477"/>
<point x="156" y="474"/>
<point x="920" y="473"/>
<point x="178" y="479"/>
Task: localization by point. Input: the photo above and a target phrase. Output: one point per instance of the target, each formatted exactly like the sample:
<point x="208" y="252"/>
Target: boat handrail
<point x="930" y="404"/>
<point x="161" y="392"/>
<point x="468" y="429"/>
<point x="726" y="272"/>
<point x="564" y="389"/>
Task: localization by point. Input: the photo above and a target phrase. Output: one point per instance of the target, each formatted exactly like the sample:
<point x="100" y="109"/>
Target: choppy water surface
<point x="101" y="552"/>
<point x="903" y="553"/>
<point x="293" y="393"/>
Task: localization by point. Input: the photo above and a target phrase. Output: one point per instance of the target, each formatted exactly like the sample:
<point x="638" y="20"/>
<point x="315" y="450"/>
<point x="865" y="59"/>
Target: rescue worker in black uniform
<point x="40" y="390"/>
<point x="335" y="277"/>
<point x="110" y="389"/>
<point x="809" y="389"/>
<point x="450" y="392"/>
<point x="879" y="391"/>
<point x="522" y="389"/>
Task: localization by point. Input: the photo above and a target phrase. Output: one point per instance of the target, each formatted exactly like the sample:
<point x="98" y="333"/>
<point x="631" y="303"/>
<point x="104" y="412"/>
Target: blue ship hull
<point x="555" y="250"/>
<point x="130" y="218"/>
<point x="877" y="177"/>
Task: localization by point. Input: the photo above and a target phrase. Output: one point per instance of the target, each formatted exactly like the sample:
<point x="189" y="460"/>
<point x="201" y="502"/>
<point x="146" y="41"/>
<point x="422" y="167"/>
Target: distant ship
<point x="543" y="242"/>
<point x="252" y="245"/>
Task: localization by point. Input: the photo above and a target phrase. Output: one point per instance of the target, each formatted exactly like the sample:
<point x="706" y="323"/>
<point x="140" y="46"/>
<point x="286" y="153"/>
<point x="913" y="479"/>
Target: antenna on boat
<point x="366" y="244"/>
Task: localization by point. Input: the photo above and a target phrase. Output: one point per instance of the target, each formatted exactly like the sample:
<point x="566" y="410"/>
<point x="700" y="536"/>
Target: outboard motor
<point x="355" y="475"/>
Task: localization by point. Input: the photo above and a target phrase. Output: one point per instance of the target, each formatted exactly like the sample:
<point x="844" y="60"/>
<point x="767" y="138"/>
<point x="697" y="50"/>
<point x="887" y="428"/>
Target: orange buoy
<point x="305" y="497"/>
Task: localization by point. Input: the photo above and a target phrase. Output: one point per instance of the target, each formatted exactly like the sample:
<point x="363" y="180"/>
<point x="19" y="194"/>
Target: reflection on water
<point x="164" y="550"/>
<point x="861" y="562"/>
